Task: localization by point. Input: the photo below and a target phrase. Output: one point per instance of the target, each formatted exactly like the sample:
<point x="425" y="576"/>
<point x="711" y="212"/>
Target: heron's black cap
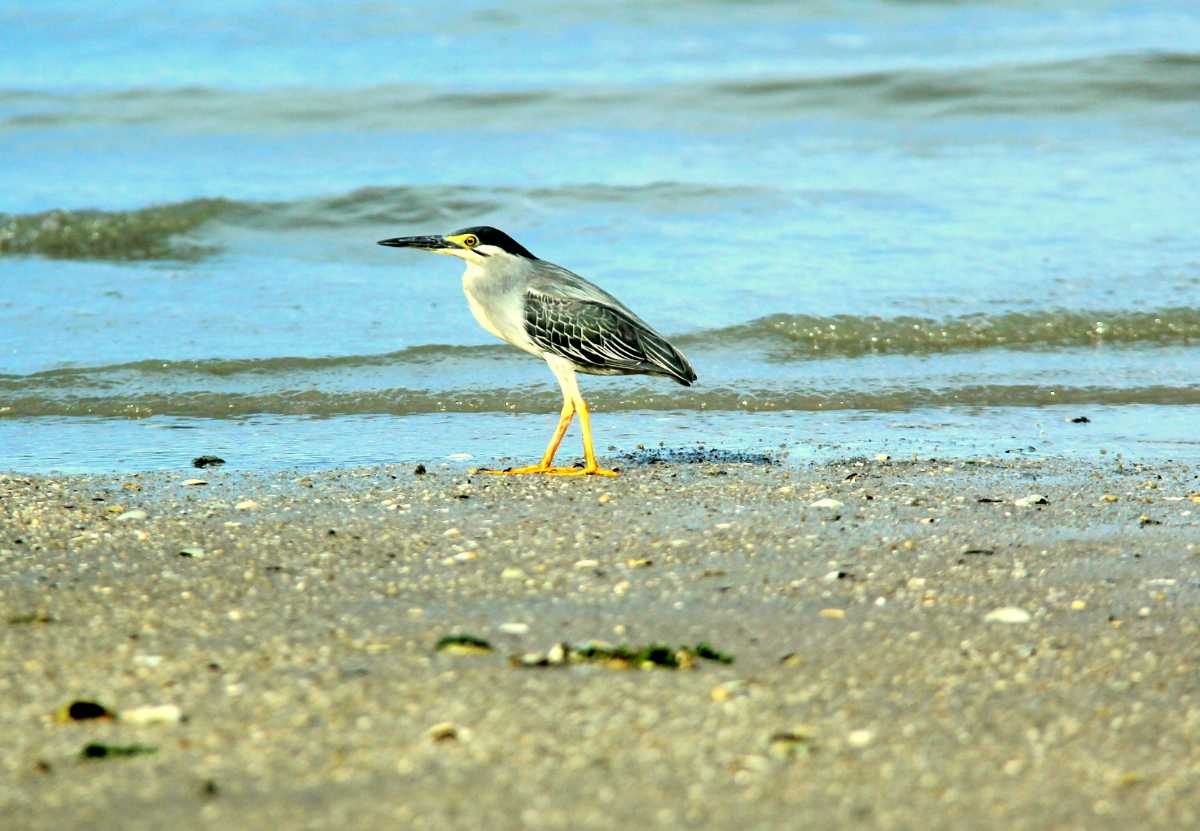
<point x="488" y="235"/>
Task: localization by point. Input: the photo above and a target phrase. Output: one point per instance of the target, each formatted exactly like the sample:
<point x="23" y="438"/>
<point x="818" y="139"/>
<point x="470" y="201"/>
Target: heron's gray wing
<point x="600" y="337"/>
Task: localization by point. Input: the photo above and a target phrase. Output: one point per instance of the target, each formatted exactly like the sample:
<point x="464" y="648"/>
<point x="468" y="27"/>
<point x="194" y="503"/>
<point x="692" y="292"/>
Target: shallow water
<point x="969" y="214"/>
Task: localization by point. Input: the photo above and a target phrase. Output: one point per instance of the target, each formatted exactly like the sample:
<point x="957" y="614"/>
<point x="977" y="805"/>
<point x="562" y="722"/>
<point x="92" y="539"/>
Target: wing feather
<point x="600" y="337"/>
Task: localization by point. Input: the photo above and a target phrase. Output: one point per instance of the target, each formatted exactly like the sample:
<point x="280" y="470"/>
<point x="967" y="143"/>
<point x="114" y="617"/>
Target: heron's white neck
<point x="495" y="290"/>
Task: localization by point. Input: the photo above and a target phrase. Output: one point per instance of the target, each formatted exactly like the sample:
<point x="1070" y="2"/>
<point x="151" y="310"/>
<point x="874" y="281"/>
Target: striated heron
<point x="555" y="314"/>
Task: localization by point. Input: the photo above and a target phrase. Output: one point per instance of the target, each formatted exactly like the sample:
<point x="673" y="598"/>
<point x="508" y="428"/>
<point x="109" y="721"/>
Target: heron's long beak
<point x="432" y="243"/>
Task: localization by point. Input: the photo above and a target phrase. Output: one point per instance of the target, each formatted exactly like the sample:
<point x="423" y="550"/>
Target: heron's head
<point x="475" y="245"/>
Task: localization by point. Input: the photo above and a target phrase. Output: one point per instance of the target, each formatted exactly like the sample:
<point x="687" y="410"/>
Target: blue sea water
<point x="851" y="215"/>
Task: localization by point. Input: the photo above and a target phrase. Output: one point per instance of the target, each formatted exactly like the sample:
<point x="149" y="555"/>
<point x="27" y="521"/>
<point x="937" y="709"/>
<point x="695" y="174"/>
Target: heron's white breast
<point x="496" y="295"/>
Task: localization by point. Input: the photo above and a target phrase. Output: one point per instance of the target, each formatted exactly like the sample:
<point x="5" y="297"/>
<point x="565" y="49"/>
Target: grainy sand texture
<point x="987" y="645"/>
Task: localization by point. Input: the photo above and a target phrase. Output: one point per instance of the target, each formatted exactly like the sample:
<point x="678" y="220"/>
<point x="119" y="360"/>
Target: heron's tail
<point x="665" y="359"/>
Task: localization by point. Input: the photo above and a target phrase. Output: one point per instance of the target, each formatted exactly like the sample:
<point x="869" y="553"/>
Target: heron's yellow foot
<point x="595" y="470"/>
<point x="514" y="471"/>
<point x="546" y="469"/>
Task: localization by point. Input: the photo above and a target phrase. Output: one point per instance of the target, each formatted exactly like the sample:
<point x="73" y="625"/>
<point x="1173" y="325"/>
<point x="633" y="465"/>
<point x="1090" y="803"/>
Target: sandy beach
<point x="915" y="644"/>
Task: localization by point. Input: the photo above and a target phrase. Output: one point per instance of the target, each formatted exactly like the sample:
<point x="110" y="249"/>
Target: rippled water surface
<point x="854" y="217"/>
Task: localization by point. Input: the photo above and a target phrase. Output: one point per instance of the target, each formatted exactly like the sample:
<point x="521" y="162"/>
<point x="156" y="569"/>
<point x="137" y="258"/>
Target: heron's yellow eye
<point x="470" y="242"/>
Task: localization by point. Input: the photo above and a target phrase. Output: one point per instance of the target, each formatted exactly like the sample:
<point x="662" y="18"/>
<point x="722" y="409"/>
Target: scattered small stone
<point x="419" y="470"/>
<point x="826" y="503"/>
<point x="512" y="574"/>
<point x="1110" y="497"/>
<point x="155" y="714"/>
<point x="38" y="616"/>
<point x="83" y="711"/>
<point x="639" y="563"/>
<point x="207" y="461"/>
<point x="445" y="731"/>
<point x="1146" y="520"/>
<point x="985" y="552"/>
<point x="729" y="691"/>
<point x="882" y="457"/>
<point x="860" y="738"/>
<point x="915" y="583"/>
<point x="194" y="482"/>
<point x="834" y="576"/>
<point x="192" y="552"/>
<point x="556" y="655"/>
<point x="988" y="500"/>
<point x="514" y="628"/>
<point x="1078" y="605"/>
<point x="250" y="505"/>
<point x="1081" y="420"/>
<point x="833" y="614"/>
<point x="791" y="660"/>
<point x="787" y="744"/>
<point x="1032" y="499"/>
<point x="463" y="645"/>
<point x="1007" y="614"/>
<point x="584" y="564"/>
<point x="132" y="516"/>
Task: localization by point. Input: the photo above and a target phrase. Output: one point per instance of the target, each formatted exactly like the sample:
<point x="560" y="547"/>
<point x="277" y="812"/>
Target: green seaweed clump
<point x="710" y="653"/>
<point x="100" y="750"/>
<point x="623" y="656"/>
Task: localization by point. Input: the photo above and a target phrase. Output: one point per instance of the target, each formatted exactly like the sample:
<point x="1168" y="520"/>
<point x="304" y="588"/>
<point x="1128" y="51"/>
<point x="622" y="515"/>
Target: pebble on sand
<point x="130" y="516"/>
<point x="826" y="503"/>
<point x="445" y="731"/>
<point x="153" y="714"/>
<point x="463" y="644"/>
<point x="1007" y="614"/>
<point x="729" y="690"/>
<point x="1032" y="499"/>
<point x="82" y="711"/>
<point x="860" y="738"/>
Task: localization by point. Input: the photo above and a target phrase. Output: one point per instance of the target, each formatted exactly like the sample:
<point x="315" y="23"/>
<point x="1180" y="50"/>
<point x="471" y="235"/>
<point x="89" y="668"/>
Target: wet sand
<point x="871" y="688"/>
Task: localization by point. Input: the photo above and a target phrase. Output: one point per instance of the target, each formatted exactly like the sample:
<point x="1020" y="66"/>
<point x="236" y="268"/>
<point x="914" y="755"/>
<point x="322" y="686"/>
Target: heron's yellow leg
<point x="590" y="466"/>
<point x="564" y="421"/>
